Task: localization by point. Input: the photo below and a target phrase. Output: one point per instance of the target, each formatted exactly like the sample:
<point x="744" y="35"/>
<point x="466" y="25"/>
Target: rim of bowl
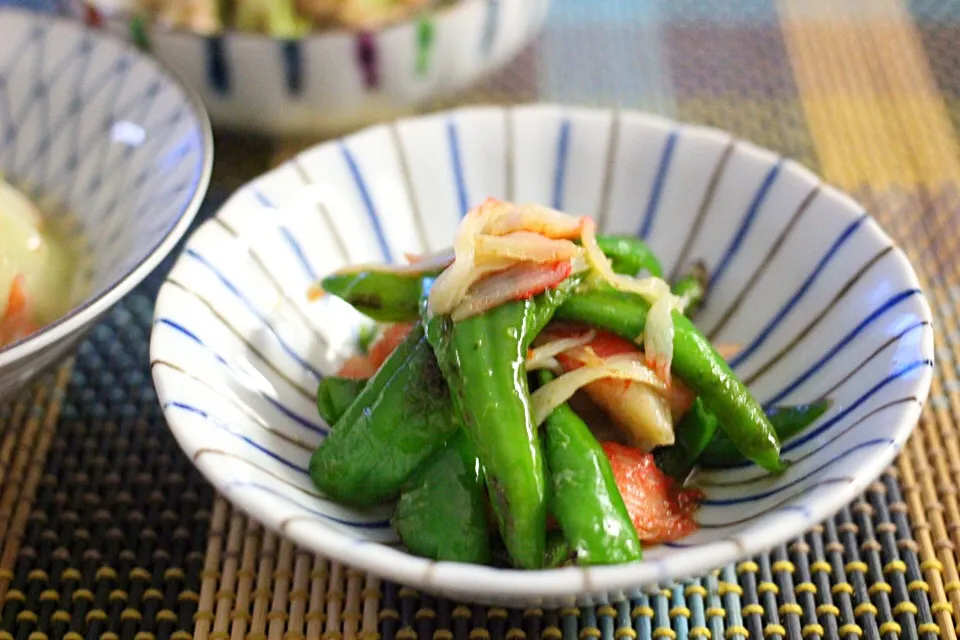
<point x="437" y="13"/>
<point x="93" y="307"/>
<point x="483" y="583"/>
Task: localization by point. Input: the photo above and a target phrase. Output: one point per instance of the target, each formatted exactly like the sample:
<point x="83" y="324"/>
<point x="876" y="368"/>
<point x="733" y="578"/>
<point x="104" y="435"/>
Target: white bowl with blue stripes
<point x="90" y="126"/>
<point x="819" y="296"/>
<point x="339" y="80"/>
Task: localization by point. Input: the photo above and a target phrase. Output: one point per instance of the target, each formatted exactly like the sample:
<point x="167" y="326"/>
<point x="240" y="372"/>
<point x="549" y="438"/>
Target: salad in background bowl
<point x="285" y="19"/>
<point x="317" y="67"/>
<point x="41" y="269"/>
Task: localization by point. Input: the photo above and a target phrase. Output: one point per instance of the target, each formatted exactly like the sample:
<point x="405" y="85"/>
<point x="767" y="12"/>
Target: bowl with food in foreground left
<point x="503" y="439"/>
<point x="105" y="159"/>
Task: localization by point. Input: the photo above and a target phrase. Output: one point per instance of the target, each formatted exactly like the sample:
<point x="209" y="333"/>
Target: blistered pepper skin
<point x="442" y="513"/>
<point x="401" y="418"/>
<point x="483" y="360"/>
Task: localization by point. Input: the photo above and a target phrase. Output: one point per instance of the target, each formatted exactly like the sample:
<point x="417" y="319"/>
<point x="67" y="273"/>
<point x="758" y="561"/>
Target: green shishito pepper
<point x="335" y="395"/>
<point x="400" y="420"/>
<point x="442" y="513"/>
<point x="385" y="296"/>
<point x="392" y="296"/>
<point x="700" y="442"/>
<point x="584" y="497"/>
<point x="629" y="255"/>
<point x="696" y="362"/>
<point x="787" y="421"/>
<point x="483" y="359"/>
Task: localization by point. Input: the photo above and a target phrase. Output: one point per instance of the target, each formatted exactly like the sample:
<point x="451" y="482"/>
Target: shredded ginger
<point x="622" y="367"/>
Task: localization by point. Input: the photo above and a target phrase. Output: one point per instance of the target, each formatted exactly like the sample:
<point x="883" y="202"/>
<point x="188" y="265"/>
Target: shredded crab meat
<point x="538" y="219"/>
<point x="520" y="282"/>
<point x="497" y="235"/>
<point x="524" y="245"/>
<point x="453" y="283"/>
<point x="622" y="367"/>
<point x="544" y="356"/>
<point x="544" y="364"/>
<point x="650" y="288"/>
<point x="642" y="412"/>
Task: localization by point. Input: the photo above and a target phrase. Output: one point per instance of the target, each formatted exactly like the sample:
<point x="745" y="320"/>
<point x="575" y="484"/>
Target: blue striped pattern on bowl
<point x="820" y="299"/>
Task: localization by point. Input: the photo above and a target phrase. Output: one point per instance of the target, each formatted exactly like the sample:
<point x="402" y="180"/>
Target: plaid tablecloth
<point x="107" y="531"/>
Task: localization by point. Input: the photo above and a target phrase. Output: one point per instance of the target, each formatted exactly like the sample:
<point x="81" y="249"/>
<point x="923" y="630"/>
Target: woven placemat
<point x="106" y="530"/>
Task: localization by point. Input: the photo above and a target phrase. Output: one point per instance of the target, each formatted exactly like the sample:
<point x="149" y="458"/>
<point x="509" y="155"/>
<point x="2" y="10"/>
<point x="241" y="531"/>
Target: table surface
<point x="106" y="530"/>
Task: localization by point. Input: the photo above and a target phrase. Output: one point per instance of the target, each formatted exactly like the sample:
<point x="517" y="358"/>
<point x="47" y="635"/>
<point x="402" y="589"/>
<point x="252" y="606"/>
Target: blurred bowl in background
<point x="337" y="80"/>
<point x="98" y="135"/>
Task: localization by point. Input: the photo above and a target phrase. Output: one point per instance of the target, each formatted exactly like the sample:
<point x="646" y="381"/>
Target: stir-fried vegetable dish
<point x="539" y="396"/>
<point x="276" y="18"/>
<point x="38" y="280"/>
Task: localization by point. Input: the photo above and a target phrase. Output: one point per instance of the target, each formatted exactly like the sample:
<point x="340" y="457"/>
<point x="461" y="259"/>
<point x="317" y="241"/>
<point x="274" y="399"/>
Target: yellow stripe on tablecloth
<point x="881" y="128"/>
<point x="874" y="111"/>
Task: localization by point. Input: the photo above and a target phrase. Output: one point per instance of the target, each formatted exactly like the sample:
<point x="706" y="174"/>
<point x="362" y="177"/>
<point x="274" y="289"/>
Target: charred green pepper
<point x="400" y="420"/>
<point x="483" y="362"/>
<point x="584" y="497"/>
<point x="483" y="359"/>
<point x="696" y="362"/>
<point x="442" y="513"/>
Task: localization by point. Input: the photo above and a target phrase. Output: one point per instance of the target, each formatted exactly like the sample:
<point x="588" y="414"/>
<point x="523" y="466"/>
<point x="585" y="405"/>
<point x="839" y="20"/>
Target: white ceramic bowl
<point x="90" y="124"/>
<point x="338" y="80"/>
<point x="817" y="293"/>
